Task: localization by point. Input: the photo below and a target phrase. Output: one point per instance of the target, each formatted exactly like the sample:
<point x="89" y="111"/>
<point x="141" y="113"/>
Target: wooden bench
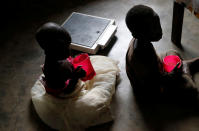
<point x="177" y="22"/>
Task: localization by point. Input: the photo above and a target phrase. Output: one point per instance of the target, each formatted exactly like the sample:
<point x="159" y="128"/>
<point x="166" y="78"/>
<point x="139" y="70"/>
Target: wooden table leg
<point x="178" y="14"/>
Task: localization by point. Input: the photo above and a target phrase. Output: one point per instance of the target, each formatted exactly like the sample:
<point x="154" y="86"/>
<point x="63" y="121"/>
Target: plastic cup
<point x="83" y="60"/>
<point x="170" y="61"/>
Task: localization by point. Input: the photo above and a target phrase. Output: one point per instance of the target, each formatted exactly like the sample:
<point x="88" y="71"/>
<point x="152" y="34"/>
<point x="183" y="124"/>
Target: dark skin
<point x="143" y="66"/>
<point x="55" y="41"/>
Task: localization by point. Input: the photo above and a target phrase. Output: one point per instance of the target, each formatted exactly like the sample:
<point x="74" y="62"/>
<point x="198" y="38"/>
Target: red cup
<point x="83" y="60"/>
<point x="170" y="61"/>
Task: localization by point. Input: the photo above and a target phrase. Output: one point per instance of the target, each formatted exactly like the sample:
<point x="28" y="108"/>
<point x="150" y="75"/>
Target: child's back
<point x="142" y="63"/>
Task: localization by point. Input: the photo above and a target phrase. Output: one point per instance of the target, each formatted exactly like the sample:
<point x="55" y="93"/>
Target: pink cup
<point x="83" y="60"/>
<point x="170" y="61"/>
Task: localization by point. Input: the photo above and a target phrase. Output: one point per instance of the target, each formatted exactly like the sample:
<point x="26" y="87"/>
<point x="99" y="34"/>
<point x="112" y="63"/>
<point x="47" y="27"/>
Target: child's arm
<point x="71" y="75"/>
<point x="78" y="73"/>
<point x="171" y="76"/>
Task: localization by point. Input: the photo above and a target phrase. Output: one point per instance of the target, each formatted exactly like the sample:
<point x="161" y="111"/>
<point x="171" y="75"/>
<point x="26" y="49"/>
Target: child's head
<point x="54" y="40"/>
<point x="144" y="23"/>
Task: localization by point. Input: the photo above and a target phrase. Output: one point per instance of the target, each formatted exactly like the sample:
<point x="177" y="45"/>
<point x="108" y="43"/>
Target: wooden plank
<point x="177" y="23"/>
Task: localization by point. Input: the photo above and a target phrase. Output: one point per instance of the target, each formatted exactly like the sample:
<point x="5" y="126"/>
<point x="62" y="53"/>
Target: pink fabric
<point x="170" y="61"/>
<point x="52" y="91"/>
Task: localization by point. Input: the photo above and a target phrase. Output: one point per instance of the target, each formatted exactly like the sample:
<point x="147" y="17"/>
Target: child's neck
<point x="142" y="43"/>
<point x="57" y="55"/>
<point x="55" y="58"/>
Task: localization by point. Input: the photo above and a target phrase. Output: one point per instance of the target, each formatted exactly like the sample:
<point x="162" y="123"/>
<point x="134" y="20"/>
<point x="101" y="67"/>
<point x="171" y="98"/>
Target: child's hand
<point x="65" y="67"/>
<point x="176" y="71"/>
<point x="79" y="72"/>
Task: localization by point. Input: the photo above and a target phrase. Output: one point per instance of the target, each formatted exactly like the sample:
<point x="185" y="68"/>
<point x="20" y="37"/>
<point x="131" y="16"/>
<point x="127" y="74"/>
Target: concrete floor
<point x="21" y="57"/>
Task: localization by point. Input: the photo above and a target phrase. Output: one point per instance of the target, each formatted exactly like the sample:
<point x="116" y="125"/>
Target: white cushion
<point x="88" y="105"/>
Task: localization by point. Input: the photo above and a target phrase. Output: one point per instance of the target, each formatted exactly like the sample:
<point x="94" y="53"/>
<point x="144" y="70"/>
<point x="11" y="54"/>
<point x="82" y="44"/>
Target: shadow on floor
<point x="161" y="115"/>
<point x="35" y="118"/>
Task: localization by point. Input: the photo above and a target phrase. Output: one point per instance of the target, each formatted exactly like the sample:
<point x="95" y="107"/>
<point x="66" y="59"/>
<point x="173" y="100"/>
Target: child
<point x="59" y="75"/>
<point x="143" y="66"/>
<point x="63" y="99"/>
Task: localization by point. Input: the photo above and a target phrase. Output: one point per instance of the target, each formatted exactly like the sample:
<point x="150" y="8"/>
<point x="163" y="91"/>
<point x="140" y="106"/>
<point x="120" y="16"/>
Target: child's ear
<point x="40" y="37"/>
<point x="40" y="41"/>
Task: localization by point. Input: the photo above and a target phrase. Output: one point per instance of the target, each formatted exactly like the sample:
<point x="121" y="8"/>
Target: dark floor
<point x="21" y="57"/>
